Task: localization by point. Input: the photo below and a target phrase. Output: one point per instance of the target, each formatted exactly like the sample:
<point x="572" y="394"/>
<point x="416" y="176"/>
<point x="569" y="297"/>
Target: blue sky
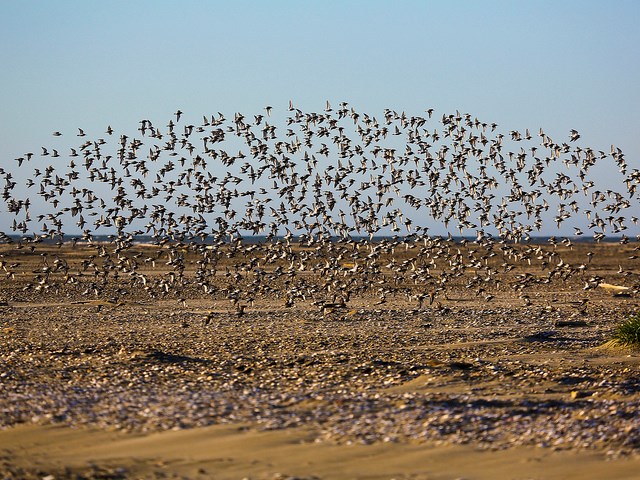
<point x="553" y="64"/>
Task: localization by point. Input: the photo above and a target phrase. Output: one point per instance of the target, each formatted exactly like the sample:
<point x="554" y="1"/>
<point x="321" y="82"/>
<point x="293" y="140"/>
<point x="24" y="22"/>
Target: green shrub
<point x="628" y="333"/>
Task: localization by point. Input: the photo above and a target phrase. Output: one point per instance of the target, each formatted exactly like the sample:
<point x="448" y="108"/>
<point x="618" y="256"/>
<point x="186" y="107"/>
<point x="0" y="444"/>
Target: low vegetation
<point x="628" y="333"/>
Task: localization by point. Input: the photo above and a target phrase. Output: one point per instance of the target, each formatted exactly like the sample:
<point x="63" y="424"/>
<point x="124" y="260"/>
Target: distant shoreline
<point x="258" y="239"/>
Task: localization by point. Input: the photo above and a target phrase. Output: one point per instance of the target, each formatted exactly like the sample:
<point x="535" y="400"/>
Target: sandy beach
<point x="185" y="387"/>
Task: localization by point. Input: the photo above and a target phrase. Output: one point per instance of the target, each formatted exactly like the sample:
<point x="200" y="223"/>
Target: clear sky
<point x="560" y="65"/>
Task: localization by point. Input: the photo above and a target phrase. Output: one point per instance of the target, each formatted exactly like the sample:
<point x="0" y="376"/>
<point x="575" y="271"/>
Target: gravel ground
<point x="460" y="373"/>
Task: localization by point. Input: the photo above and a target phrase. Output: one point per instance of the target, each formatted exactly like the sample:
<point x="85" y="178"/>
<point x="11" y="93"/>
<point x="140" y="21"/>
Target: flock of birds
<point x="343" y="203"/>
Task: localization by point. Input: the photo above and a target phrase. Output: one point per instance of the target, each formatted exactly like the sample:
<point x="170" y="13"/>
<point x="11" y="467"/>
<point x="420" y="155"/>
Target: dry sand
<point x="232" y="452"/>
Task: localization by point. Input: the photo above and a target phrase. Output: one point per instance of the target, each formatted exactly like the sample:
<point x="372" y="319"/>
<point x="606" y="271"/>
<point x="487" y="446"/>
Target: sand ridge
<point x="237" y="451"/>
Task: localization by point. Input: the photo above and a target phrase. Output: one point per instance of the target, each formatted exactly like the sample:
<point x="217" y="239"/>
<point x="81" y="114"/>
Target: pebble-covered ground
<point x="495" y="373"/>
<point x="495" y="377"/>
